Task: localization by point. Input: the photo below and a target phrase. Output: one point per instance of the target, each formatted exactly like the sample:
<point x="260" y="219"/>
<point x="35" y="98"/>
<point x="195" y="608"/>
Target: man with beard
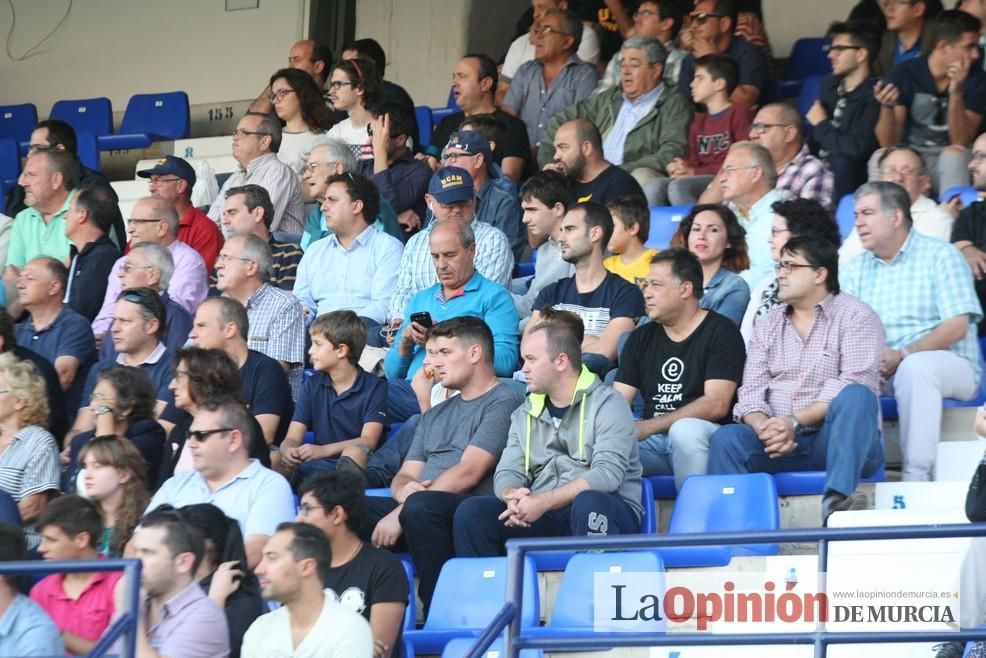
<point x="579" y="155"/>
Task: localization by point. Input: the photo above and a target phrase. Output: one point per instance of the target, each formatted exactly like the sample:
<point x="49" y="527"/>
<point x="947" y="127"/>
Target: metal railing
<point x="124" y="623"/>
<point x="509" y="616"/>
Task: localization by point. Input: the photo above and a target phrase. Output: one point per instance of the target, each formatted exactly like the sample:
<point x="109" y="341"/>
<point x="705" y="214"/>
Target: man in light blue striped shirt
<point x="922" y="290"/>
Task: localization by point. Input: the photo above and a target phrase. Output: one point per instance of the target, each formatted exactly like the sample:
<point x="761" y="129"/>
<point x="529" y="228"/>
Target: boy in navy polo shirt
<point x="342" y="404"/>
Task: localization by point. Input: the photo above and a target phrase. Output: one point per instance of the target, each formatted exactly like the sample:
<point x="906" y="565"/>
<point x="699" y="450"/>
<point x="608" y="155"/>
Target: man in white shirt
<point x="296" y="561"/>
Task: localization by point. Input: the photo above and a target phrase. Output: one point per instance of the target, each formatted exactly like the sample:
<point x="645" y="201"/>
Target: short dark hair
<point x="561" y="338"/>
<point x="255" y="196"/>
<point x="102" y="206"/>
<point x="211" y="374"/>
<point x="360" y="188"/>
<point x="371" y="50"/>
<point x="720" y="67"/>
<point x="61" y="162"/>
<point x="13" y="548"/>
<point x="134" y="390"/>
<point x="570" y="23"/>
<point x="73" y="515"/>
<point x="549" y="187"/>
<point x="180" y="536"/>
<point x="950" y="25"/>
<point x="234" y="415"/>
<point x="322" y="53"/>
<point x="727" y="9"/>
<point x="807" y="217"/>
<point x="55" y="267"/>
<point x="672" y="9"/>
<point x="684" y="267"/>
<point x="308" y="542"/>
<point x="596" y="214"/>
<point x="7" y="332"/>
<point x="550" y="314"/>
<point x="222" y="535"/>
<point x="487" y="125"/>
<point x="231" y="310"/>
<point x="861" y="34"/>
<point x="339" y="488"/>
<point x="342" y="328"/>
<point x="487" y="68"/>
<point x="631" y="211"/>
<point x="818" y="253"/>
<point x="60" y="133"/>
<point x="468" y="329"/>
<point x="401" y="120"/>
<point x="364" y="75"/>
<point x="151" y="306"/>
<point x="736" y="258"/>
<point x="270" y="126"/>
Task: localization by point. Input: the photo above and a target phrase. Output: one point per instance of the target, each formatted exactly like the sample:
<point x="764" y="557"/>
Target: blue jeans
<point x="683" y="451"/>
<point x="402" y="403"/>
<point x="847" y="446"/>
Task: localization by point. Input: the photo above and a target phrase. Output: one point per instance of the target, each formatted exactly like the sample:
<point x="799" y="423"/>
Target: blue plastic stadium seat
<point x="457" y="649"/>
<point x="968" y="194"/>
<point x="811" y="483"/>
<point x="381" y="492"/>
<point x="573" y="611"/>
<point x="150" y="118"/>
<point x="423" y="114"/>
<point x="845" y="215"/>
<point x="527" y="268"/>
<point x="722" y="503"/>
<point x="18" y="121"/>
<point x="412" y="598"/>
<point x="811" y="89"/>
<point x="648" y="526"/>
<point x="663" y="486"/>
<point x="88" y="149"/>
<point x="88" y="115"/>
<point x="10" y="162"/>
<point x="664" y="222"/>
<point x="808" y="58"/>
<point x="469" y="593"/>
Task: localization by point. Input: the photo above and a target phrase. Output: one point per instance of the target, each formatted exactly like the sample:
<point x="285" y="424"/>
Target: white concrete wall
<point x="789" y="20"/>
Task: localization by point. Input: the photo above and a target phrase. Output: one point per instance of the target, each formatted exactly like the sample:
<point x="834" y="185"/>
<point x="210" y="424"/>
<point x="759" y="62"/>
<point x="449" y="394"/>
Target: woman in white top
<point x="299" y="105"/>
<point x="355" y="87"/>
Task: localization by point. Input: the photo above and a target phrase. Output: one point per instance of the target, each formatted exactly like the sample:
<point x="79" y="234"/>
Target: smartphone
<point x="423" y="318"/>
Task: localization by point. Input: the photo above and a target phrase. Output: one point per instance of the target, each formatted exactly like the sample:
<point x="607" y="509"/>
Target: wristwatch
<point x="796" y="423"/>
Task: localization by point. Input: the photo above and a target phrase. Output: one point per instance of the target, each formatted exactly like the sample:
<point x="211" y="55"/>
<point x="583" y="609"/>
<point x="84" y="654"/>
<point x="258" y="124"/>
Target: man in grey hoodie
<point x="571" y="465"/>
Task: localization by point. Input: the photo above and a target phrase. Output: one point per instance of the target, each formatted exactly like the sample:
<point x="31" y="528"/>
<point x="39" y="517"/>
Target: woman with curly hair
<point x="714" y="235"/>
<point x="116" y="480"/>
<point x="792" y="219"/>
<point x="28" y="453"/>
<point x="355" y="87"/>
<point x="201" y="375"/>
<point x="299" y="105"/>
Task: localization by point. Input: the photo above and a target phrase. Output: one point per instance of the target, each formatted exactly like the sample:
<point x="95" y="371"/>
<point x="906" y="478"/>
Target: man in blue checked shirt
<point x="922" y="290"/>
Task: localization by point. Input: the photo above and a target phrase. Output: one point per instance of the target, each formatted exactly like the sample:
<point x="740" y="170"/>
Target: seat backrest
<point x="458" y="647"/>
<point x="89" y="115"/>
<point x="165" y="115"/>
<point x="723" y="503"/>
<point x="18" y="121"/>
<point x="10" y="159"/>
<point x="470" y="591"/>
<point x="808" y="57"/>
<point x="423" y="114"/>
<point x="574" y="602"/>
<point x="811" y="89"/>
<point x="845" y="215"/>
<point x="648" y="520"/>
<point x="410" y="613"/>
<point x="88" y="149"/>
<point x="664" y="222"/>
<point x="966" y="193"/>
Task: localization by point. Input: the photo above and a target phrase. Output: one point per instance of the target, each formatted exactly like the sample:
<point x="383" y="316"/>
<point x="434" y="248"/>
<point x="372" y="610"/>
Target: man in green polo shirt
<point x="48" y="179"/>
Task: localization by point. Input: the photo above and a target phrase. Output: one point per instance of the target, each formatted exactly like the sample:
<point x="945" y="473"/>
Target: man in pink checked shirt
<point x="811" y="382"/>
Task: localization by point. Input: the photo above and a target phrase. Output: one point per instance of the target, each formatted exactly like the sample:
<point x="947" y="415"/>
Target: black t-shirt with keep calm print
<point x="671" y="374"/>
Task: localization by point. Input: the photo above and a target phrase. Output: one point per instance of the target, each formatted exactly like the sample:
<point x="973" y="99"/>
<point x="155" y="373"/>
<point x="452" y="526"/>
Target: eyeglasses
<point x="906" y="172"/>
<point x="225" y="258"/>
<point x="279" y="95"/>
<point x="885" y="4"/>
<point x="787" y="266"/>
<point x="137" y="220"/>
<point x="774" y="232"/>
<point x="369" y="131"/>
<point x="644" y="13"/>
<point x="157" y="180"/>
<point x="730" y="170"/>
<point x="339" y="84"/>
<point x="128" y="267"/>
<point x="700" y="18"/>
<point x="830" y="48"/>
<point x="547" y="29"/>
<point x="454" y="157"/>
<point x="203" y="435"/>
<point x="978" y="156"/>
<point x="305" y="509"/>
<point x="240" y="133"/>
<point x="764" y="127"/>
<point x="99" y="397"/>
<point x="180" y="374"/>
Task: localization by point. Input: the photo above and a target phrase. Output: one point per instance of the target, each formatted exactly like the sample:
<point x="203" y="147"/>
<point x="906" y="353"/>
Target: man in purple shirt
<point x="810" y="386"/>
<point x="177" y="618"/>
<point x="154" y="219"/>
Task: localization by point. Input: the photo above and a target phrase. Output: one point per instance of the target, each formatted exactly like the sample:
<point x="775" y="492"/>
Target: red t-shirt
<point x="711" y="135"/>
<point x="87" y="616"/>
<point x="201" y="233"/>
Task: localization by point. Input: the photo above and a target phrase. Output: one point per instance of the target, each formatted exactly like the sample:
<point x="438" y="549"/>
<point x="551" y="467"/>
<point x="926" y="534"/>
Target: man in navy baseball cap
<point x="450" y="186"/>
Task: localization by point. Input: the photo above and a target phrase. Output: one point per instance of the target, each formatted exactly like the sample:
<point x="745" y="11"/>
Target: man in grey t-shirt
<point x="455" y="448"/>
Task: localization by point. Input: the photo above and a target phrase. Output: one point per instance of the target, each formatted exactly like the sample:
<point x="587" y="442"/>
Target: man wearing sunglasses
<point x="710" y="30"/>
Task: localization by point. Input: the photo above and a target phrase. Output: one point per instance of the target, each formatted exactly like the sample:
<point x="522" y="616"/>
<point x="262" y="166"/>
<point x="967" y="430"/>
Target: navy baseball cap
<point x="472" y="142"/>
<point x="450" y="185"/>
<point x="171" y="164"/>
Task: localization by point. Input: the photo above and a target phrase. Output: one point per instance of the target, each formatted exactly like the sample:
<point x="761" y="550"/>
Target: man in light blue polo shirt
<point x="256" y="497"/>
<point x="460" y="290"/>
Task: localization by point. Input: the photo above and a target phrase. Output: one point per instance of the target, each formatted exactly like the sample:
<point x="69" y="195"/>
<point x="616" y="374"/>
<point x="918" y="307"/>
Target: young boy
<point x="722" y="124"/>
<point x="342" y="404"/>
<point x="631" y="226"/>
<point x="80" y="604"/>
<point x="545" y="199"/>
